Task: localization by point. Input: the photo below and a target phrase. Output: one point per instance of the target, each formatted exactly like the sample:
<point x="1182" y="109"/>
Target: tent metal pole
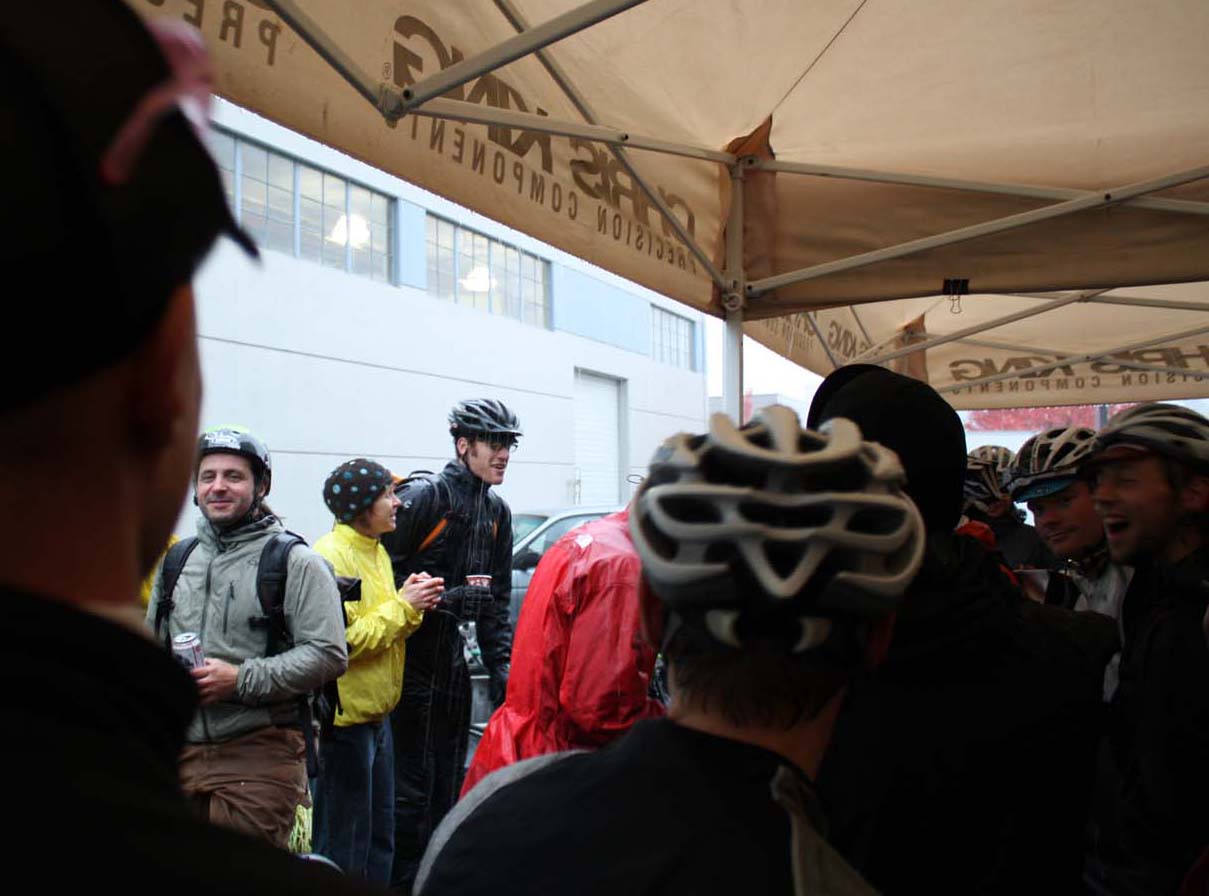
<point x="560" y="77"/>
<point x="733" y="300"/>
<point x="1132" y="301"/>
<point x="524" y="43"/>
<point x="458" y="110"/>
<point x="471" y="112"/>
<point x="1181" y="206"/>
<point x="818" y="334"/>
<point x="513" y="15"/>
<point x="1012" y="347"/>
<point x="987" y="228"/>
<point x="860" y="324"/>
<point x="310" y="31"/>
<point x="977" y="328"/>
<point x="1097" y="356"/>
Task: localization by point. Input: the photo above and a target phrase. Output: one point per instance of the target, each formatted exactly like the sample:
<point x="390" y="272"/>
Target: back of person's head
<point x="774" y="552"/>
<point x="117" y="202"/>
<point x="910" y="418"/>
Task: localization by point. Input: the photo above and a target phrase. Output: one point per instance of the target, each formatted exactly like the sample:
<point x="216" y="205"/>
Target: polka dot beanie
<point x="353" y="486"/>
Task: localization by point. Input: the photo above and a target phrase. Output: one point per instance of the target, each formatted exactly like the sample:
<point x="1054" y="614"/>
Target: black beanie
<point x="909" y="417"/>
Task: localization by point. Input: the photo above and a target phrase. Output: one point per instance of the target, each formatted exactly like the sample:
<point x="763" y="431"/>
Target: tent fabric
<point x="1076" y="95"/>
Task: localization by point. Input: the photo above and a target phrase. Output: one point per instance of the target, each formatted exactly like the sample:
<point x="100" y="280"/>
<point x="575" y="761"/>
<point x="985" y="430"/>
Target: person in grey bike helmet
<point x="987" y="501"/>
<point x="451" y="525"/>
<point x="1151" y="490"/>
<point x="1049" y="476"/>
<point x="228" y="439"/>
<point x="773" y="561"/>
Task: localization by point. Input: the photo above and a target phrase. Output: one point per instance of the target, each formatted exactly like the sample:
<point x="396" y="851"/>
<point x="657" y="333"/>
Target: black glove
<point x="497" y="685"/>
<point x="465" y="601"/>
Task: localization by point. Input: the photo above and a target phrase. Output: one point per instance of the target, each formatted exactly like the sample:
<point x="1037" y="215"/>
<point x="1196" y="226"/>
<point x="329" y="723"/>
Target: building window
<point x="671" y="338"/>
<point x="295" y="208"/>
<point x="472" y="269"/>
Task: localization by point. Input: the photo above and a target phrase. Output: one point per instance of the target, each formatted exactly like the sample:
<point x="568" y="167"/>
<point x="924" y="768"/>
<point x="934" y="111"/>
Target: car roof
<point x="577" y="510"/>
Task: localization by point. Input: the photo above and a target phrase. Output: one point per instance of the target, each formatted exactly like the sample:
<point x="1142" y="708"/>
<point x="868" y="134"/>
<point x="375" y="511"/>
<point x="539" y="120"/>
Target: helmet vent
<point x="783" y="557"/>
<point x="809" y="516"/>
<point x="691" y="510"/>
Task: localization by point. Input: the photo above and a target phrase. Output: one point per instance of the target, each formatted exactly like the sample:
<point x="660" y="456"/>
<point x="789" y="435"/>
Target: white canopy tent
<point x="820" y="173"/>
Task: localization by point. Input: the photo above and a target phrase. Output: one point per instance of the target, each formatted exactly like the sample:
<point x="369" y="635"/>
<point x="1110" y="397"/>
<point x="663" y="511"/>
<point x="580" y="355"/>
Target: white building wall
<point x="326" y="365"/>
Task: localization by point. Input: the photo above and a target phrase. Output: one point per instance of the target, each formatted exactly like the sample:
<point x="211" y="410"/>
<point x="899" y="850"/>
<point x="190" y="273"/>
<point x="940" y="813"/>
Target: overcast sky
<point x="763" y="370"/>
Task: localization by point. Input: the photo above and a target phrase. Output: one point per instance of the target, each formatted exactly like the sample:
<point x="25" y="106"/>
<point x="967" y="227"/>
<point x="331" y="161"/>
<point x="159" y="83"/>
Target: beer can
<point x="187" y="649"/>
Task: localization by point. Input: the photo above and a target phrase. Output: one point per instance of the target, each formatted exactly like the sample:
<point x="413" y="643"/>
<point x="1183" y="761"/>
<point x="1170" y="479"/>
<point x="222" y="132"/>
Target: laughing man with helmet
<point x="773" y="560"/>
<point x="1048" y="476"/>
<point x="451" y="526"/>
<point x="244" y="765"/>
<point x="1151" y="489"/>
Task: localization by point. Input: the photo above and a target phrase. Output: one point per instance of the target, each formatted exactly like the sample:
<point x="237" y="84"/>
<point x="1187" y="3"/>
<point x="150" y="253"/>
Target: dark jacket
<point x="473" y="535"/>
<point x="450" y="525"/>
<point x="1152" y="830"/>
<point x="94" y="719"/>
<point x="964" y="764"/>
<point x="665" y="809"/>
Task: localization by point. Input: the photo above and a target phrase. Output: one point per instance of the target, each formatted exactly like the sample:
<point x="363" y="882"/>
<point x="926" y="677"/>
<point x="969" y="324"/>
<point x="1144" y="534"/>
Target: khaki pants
<point x="252" y="784"/>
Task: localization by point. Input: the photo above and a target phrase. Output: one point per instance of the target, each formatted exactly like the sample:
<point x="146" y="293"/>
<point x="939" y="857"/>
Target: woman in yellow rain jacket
<point x="355" y="795"/>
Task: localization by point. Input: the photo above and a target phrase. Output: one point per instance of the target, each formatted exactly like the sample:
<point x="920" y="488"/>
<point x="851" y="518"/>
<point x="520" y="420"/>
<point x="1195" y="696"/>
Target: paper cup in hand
<point x="479" y="581"/>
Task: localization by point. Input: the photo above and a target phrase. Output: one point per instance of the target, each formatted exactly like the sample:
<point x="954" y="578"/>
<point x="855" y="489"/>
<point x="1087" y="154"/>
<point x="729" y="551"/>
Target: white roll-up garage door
<point x="597" y="439"/>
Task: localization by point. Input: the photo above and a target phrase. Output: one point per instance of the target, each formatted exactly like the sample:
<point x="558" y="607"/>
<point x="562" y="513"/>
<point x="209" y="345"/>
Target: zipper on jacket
<point x="226" y="610"/>
<point x="202" y="710"/>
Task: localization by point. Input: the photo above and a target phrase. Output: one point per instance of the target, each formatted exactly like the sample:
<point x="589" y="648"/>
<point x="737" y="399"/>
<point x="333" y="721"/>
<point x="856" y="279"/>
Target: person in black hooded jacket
<point x="965" y="764"/>
<point x="452" y="526"/>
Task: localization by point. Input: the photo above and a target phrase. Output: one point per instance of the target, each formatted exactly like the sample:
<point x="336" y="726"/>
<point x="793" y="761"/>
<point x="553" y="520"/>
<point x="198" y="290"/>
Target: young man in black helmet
<point x="451" y="526"/>
<point x="244" y="764"/>
<point x="98" y="424"/>
<point x="1151" y="489"/>
<point x="773" y="558"/>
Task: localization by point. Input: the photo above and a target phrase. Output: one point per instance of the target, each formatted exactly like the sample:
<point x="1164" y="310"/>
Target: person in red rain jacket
<point x="581" y="668"/>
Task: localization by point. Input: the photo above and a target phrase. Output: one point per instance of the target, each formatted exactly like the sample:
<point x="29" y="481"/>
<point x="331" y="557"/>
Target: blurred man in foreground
<point x="119" y="202"/>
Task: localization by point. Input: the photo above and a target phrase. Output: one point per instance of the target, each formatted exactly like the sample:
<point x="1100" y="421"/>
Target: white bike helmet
<point x="1167" y="429"/>
<point x="1049" y="462"/>
<point x="770" y="528"/>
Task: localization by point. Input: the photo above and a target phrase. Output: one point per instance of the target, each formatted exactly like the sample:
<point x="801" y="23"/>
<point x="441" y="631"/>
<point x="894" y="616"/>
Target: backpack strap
<point x="271" y="575"/>
<point x="444" y="502"/>
<point x="433" y="535"/>
<point x="170" y="571"/>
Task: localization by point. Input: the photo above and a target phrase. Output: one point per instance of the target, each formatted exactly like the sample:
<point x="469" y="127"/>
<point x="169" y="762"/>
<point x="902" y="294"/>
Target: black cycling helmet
<point x="228" y="439"/>
<point x="354" y="486"/>
<point x="477" y="418"/>
<point x="771" y="530"/>
<point x="1166" y="429"/>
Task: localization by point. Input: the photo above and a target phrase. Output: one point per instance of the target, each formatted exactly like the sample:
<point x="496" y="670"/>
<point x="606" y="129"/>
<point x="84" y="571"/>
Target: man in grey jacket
<point x="244" y="763"/>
